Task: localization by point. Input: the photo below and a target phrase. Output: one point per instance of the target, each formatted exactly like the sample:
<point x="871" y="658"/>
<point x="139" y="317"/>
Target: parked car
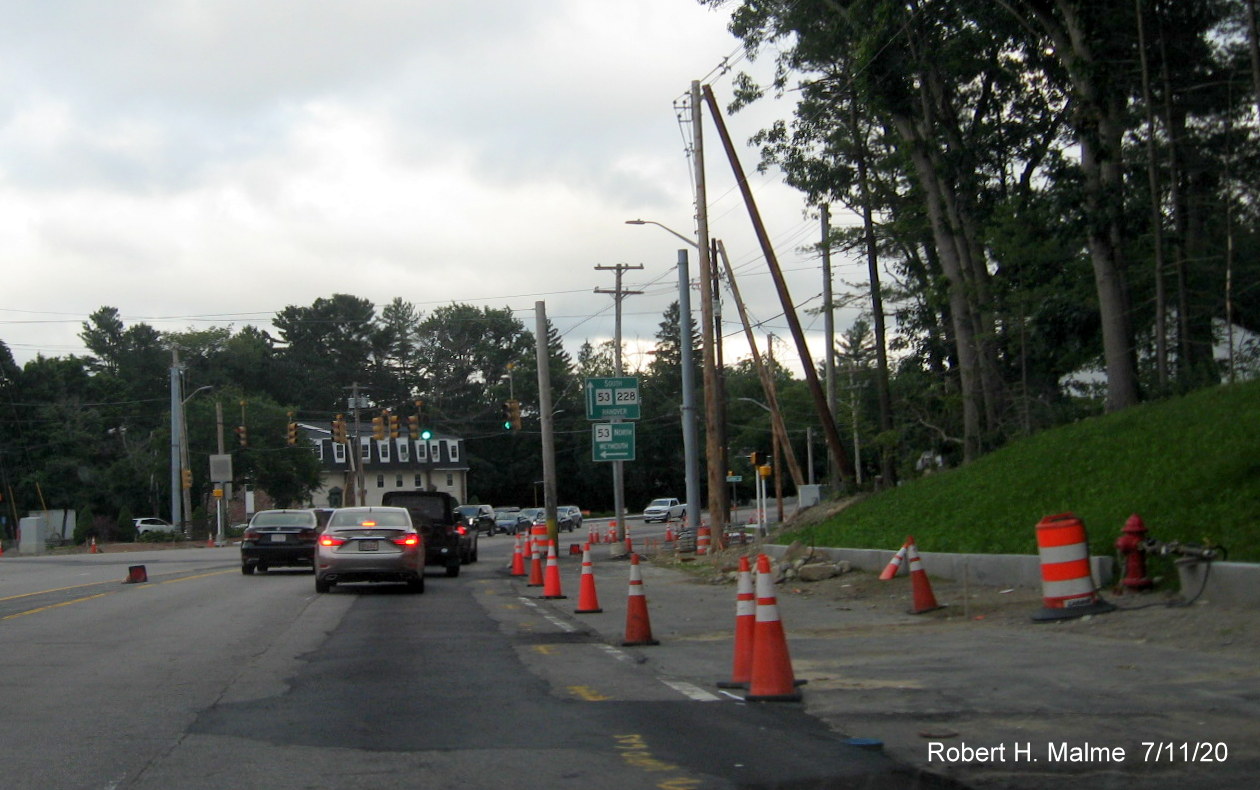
<point x="508" y="520"/>
<point x="370" y="544"/>
<point x="531" y="516"/>
<point x="433" y="513"/>
<point x="569" y="517"/>
<point x="153" y="524"/>
<point x="479" y="517"/>
<point x="663" y="509"/>
<point x="279" y="538"/>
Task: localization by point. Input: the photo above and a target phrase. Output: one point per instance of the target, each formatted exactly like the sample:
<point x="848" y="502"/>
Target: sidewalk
<point x="1152" y="697"/>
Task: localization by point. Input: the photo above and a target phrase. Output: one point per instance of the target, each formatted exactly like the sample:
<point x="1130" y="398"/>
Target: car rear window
<point x="282" y="519"/>
<point x="378" y="518"/>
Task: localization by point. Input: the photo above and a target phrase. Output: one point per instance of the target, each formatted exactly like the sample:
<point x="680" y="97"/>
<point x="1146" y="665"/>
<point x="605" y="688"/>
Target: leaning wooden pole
<point x="764" y="375"/>
<point x="838" y="455"/>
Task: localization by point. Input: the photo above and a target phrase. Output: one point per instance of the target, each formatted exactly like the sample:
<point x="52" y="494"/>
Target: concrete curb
<point x="1226" y="583"/>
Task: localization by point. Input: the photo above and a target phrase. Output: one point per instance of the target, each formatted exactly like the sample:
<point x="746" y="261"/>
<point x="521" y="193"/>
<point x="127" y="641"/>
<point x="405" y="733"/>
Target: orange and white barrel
<point x="1067" y="585"/>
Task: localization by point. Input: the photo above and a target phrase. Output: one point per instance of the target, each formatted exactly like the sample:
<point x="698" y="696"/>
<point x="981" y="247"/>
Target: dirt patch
<point x="1153" y="618"/>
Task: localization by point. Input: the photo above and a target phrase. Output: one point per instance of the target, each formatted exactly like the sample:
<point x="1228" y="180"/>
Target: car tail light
<point x="331" y="540"/>
<point x="367" y="523"/>
<point x="461" y="529"/>
<point x="250" y="535"/>
<point x="407" y="540"/>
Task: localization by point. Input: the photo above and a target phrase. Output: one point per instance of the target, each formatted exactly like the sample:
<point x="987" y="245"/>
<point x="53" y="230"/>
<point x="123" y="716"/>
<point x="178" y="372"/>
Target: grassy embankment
<point x="1190" y="467"/>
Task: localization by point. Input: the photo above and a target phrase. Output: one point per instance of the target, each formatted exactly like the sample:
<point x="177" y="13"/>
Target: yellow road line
<point x="55" y="606"/>
<point x="198" y="576"/>
<point x="587" y="693"/>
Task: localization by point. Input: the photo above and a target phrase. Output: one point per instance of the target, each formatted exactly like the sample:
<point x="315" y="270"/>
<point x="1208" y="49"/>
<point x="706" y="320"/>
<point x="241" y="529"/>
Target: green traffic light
<point x="507" y="425"/>
<point x="426" y="434"/>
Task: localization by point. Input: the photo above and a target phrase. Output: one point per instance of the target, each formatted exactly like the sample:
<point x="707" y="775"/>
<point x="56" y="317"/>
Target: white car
<point x="663" y="509"/>
<point x="151" y="524"/>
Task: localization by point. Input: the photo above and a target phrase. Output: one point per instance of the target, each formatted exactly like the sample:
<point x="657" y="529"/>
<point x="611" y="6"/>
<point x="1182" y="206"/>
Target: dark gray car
<point x="276" y="538"/>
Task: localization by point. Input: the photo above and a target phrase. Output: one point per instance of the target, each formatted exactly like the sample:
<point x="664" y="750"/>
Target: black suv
<point x="433" y="514"/>
<point x="478" y="517"/>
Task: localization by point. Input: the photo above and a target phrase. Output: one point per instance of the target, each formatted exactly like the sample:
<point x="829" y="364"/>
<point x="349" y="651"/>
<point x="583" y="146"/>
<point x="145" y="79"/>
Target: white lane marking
<point x="691" y="691"/>
<point x="615" y="653"/>
<point x="568" y="628"/>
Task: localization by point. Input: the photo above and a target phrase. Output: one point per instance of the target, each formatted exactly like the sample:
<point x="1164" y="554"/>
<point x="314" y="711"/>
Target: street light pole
<point x="691" y="439"/>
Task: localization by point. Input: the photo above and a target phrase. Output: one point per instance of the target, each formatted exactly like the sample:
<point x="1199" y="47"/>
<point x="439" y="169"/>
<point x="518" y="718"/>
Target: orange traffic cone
<point x="92" y="549"/>
<point x="1" y="548"/>
<point x="771" y="678"/>
<point x="924" y="600"/>
<point x="536" y="545"/>
<point x="136" y="575"/>
<point x="894" y="565"/>
<point x="638" y="625"/>
<point x="551" y="583"/>
<point x="588" y="600"/>
<point x="210" y="541"/>
<point x="745" y="624"/>
<point x="669" y="534"/>
<point x="518" y="558"/>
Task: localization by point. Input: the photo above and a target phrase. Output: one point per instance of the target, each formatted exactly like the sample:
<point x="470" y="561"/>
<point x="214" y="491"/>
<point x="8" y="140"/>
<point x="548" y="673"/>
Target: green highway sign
<point x="614" y="398"/>
<point x="612" y="441"/>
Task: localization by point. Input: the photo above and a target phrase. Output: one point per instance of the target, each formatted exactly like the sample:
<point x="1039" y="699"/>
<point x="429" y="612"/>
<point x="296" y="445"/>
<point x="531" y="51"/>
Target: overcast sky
<point x="200" y="163"/>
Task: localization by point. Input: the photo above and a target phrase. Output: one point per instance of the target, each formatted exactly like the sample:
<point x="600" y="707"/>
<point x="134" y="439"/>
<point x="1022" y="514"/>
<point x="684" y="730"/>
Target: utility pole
<point x="619" y="293"/>
<point x="829" y="326"/>
<point x="712" y="427"/>
<point x="220" y="501"/>
<point x="177" y="478"/>
<point x="825" y="415"/>
<point x="691" y="441"/>
<point x="355" y="450"/>
<point x="545" y="420"/>
<point x="778" y="443"/>
<point x="764" y="375"/>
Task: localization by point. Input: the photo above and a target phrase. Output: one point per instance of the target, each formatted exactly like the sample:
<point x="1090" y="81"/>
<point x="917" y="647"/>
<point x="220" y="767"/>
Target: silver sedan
<point x="370" y="544"/>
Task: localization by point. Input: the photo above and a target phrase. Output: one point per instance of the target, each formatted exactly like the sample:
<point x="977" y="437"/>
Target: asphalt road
<point x="204" y="678"/>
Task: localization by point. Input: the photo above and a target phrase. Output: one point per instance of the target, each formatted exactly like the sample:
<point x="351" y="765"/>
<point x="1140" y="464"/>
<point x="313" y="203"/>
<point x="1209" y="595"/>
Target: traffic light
<point x="514" y="407"/>
<point x="186" y="478"/>
<point x="394" y="431"/>
<point x="506" y="407"/>
<point x="426" y="434"/>
<point x="378" y="428"/>
<point x="756" y="459"/>
<point x="291" y="431"/>
<point x="242" y="435"/>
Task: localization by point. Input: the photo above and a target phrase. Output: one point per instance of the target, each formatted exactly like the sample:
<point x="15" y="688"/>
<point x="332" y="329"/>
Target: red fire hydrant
<point x="1130" y="546"/>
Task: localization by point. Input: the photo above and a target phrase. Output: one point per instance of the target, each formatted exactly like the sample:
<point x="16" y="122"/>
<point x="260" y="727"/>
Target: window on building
<point x="453" y="449"/>
<point x="419" y="482"/>
<point x="380" y="481"/>
<point x="435" y="451"/>
<point x="404" y="451"/>
<point x="397" y="481"/>
<point x="383" y="449"/>
<point x="450" y="479"/>
<point x="422" y="451"/>
<point x="319" y="450"/>
<point x="365" y="449"/>
<point x="339" y="453"/>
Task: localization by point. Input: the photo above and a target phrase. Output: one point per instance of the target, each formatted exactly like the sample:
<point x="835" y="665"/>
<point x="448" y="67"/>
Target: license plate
<point x="278" y="537"/>
<point x="367" y="545"/>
